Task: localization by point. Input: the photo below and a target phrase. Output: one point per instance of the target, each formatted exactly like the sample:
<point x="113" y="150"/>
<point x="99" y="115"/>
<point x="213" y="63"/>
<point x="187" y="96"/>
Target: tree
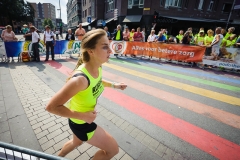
<point x="17" y="10"/>
<point x="48" y="22"/>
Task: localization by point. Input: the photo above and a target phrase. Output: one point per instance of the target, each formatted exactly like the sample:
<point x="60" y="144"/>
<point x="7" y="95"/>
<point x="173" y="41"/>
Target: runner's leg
<point x="69" y="146"/>
<point x="107" y="144"/>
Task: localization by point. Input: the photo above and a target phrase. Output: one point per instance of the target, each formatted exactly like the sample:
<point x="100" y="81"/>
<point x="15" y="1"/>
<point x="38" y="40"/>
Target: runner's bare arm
<point x="121" y="85"/>
<point x="72" y="87"/>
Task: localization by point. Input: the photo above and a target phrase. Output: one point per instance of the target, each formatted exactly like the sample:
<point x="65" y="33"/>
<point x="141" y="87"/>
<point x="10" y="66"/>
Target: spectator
<point x="172" y="39"/>
<point x="180" y="36"/>
<point x="126" y="34"/>
<point x="25" y="29"/>
<point x="238" y="42"/>
<point x="8" y="35"/>
<point x="144" y="35"/>
<point x="186" y="38"/>
<point x="57" y="32"/>
<point x="161" y="38"/>
<point x="70" y="35"/>
<point x="208" y="40"/>
<point x="80" y="32"/>
<point x="138" y="36"/>
<point x="131" y="34"/>
<point x="118" y="36"/>
<point x="108" y="33"/>
<point x="199" y="38"/>
<point x="151" y="38"/>
<point x="216" y="43"/>
<point x="229" y="33"/>
<point x="35" y="45"/>
<point x="49" y="41"/>
<point x="230" y="42"/>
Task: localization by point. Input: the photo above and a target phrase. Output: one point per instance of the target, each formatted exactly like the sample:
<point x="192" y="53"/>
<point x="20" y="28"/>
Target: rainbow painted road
<point x="194" y="112"/>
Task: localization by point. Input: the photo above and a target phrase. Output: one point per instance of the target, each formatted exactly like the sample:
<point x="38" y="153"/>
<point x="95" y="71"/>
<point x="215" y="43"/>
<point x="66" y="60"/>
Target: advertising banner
<point x="13" y="49"/>
<point x="228" y="58"/>
<point x="160" y="50"/>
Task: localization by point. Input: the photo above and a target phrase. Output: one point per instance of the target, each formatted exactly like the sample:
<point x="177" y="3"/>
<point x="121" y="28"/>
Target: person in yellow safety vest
<point x="180" y="36"/>
<point x="131" y="35"/>
<point x="209" y="38"/>
<point x="199" y="39"/>
<point x="230" y="42"/>
<point x="228" y="34"/>
<point x="198" y="34"/>
<point x="164" y="31"/>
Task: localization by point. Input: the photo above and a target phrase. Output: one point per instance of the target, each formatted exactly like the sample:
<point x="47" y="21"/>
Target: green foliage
<point x="18" y="10"/>
<point x="48" y="22"/>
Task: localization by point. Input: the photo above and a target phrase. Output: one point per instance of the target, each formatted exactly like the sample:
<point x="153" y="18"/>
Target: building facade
<point x="172" y="14"/>
<point x="74" y="13"/>
<point x="42" y="11"/>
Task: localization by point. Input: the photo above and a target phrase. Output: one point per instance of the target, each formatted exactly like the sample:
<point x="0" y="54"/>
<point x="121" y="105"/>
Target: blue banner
<point x="13" y="49"/>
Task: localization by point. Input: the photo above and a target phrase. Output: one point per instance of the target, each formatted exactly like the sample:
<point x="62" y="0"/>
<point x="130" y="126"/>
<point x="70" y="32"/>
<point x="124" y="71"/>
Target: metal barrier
<point x="13" y="152"/>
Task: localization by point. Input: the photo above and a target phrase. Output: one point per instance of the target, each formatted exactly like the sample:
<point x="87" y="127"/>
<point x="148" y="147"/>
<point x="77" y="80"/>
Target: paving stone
<point x="65" y="122"/>
<point x="65" y="128"/>
<point x="147" y="140"/>
<point x="84" y="147"/>
<point x="115" y="119"/>
<point x="161" y="149"/>
<point x="47" y="145"/>
<point x="48" y="120"/>
<point x="178" y="156"/>
<point x="55" y="127"/>
<point x="32" y="117"/>
<point x="37" y="125"/>
<point x="60" y="119"/>
<point x="43" y="140"/>
<point x="126" y="157"/>
<point x="58" y="146"/>
<point x="120" y="154"/>
<point x="83" y="156"/>
<point x="169" y="154"/>
<point x="129" y="129"/>
<point x="48" y="125"/>
<point x="33" y="122"/>
<point x="103" y="111"/>
<point x="50" y="151"/>
<point x="29" y="111"/>
<point x="141" y="135"/>
<point x="29" y="115"/>
<point x="54" y="133"/>
<point x="3" y="117"/>
<point x="6" y="137"/>
<point x="106" y="114"/>
<point x="42" y="134"/>
<point x="4" y="127"/>
<point x="111" y="116"/>
<point x="43" y="113"/>
<point x="124" y="125"/>
<point x="119" y="122"/>
<point x="153" y="145"/>
<point x="43" y="117"/>
<point x="61" y="136"/>
<point x="135" y="132"/>
<point x="74" y="154"/>
<point x="91" y="152"/>
<point x="37" y="130"/>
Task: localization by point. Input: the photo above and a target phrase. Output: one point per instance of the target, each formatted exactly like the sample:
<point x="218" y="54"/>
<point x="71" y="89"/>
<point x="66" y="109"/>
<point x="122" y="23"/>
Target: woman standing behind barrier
<point x="208" y="40"/>
<point x="8" y="35"/>
<point x="49" y="41"/>
<point x="151" y="38"/>
<point x="69" y="35"/>
<point x="83" y="89"/>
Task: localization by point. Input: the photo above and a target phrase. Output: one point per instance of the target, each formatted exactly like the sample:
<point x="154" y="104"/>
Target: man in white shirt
<point x="35" y="41"/>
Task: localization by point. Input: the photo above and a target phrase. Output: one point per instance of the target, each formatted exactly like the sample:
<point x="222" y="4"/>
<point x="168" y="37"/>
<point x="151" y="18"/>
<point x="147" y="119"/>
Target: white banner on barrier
<point x="228" y="58"/>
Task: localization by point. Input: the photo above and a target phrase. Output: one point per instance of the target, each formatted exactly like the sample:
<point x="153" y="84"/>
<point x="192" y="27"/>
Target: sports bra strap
<point x="84" y="75"/>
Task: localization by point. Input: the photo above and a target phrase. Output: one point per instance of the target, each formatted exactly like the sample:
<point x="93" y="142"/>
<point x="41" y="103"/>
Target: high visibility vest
<point x="131" y="36"/>
<point x="199" y="40"/>
<point x="208" y="40"/>
<point x="180" y="37"/>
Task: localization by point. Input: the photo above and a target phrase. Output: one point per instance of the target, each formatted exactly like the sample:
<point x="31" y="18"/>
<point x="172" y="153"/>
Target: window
<point x="186" y="4"/>
<point x="210" y="7"/>
<point x="173" y="3"/>
<point x="139" y="3"/>
<point x="200" y="5"/>
<point x="161" y="3"/>
<point x="85" y="13"/>
<point x="226" y="7"/>
<point x="110" y="5"/>
<point x="89" y="11"/>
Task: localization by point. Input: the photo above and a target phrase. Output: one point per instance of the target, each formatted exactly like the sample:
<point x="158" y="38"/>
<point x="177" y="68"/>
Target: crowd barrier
<point x="229" y="57"/>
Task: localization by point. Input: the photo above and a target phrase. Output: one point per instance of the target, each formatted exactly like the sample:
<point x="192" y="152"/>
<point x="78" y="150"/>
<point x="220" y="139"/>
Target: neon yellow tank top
<point x="208" y="40"/>
<point x="86" y="100"/>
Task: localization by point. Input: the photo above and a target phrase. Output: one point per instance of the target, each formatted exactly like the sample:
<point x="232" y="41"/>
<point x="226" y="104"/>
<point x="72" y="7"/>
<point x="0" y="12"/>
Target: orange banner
<point x="180" y="52"/>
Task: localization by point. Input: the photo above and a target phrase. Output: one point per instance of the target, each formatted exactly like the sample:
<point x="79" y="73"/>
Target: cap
<point x="24" y="25"/>
<point x="202" y="31"/>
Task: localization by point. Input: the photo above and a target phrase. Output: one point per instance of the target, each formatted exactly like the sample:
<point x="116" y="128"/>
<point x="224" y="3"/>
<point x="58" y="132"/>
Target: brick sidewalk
<point x="35" y="85"/>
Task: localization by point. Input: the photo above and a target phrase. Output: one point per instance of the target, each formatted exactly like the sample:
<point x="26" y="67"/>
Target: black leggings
<point x="49" y="44"/>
